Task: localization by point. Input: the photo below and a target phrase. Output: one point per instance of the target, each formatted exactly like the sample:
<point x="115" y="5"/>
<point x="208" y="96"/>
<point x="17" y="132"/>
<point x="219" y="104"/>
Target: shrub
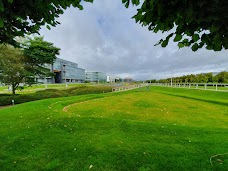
<point x="6" y="99"/>
<point x="91" y="90"/>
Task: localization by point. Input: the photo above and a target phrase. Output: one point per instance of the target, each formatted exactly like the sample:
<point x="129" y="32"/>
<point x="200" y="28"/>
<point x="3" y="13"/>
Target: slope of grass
<point x="6" y="99"/>
<point x="204" y="95"/>
<point x="160" y="129"/>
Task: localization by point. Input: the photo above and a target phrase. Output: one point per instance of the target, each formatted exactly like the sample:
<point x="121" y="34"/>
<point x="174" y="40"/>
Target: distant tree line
<point x="221" y="77"/>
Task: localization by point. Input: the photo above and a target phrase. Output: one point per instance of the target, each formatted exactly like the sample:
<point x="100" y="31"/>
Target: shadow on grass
<point x="199" y="99"/>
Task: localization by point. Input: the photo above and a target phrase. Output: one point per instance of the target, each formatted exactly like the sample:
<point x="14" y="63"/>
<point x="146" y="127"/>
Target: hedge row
<point x="6" y="99"/>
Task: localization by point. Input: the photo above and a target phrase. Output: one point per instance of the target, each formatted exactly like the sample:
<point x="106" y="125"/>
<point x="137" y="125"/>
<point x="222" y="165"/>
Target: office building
<point x="96" y="77"/>
<point x="64" y="72"/>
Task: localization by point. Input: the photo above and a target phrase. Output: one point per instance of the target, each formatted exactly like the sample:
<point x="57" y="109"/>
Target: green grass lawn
<point x="157" y="129"/>
<point x="37" y="87"/>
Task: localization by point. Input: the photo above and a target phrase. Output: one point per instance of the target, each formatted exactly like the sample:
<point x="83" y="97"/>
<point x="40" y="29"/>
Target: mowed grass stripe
<point x="151" y="106"/>
<point x="137" y="130"/>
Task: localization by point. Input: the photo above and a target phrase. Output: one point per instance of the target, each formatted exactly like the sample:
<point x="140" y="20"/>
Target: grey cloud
<point x="103" y="37"/>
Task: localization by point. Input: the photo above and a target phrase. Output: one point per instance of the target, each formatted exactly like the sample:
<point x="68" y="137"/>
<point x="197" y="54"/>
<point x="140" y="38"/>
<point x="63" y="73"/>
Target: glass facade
<point x="68" y="71"/>
<point x="65" y="72"/>
<point x="96" y="77"/>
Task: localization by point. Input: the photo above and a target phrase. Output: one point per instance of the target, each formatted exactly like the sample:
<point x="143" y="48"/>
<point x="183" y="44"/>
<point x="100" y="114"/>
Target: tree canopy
<point x="38" y="53"/>
<point x="12" y="71"/>
<point x="221" y="77"/>
<point x="20" y="17"/>
<point x="26" y="64"/>
<point x="191" y="23"/>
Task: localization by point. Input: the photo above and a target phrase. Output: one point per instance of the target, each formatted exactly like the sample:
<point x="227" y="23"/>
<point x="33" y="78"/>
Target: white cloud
<point x="103" y="37"/>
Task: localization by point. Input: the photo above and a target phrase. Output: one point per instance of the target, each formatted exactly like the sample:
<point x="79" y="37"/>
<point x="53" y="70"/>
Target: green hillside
<point x="157" y="129"/>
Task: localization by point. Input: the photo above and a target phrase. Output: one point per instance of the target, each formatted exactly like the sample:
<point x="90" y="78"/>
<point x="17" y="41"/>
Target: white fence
<point x="129" y="87"/>
<point x="205" y="86"/>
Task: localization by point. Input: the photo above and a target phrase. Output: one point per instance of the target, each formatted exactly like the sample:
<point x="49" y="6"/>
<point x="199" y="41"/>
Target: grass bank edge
<point x="6" y="99"/>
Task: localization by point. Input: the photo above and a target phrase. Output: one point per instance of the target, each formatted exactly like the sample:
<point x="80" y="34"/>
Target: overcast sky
<point x="103" y="37"/>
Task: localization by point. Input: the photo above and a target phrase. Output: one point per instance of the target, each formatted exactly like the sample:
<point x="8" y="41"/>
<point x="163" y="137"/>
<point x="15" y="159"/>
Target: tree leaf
<point x="177" y="38"/>
<point x="217" y="46"/>
<point x="135" y="2"/>
<point x="209" y="47"/>
<point x="195" y="47"/>
<point x="48" y="27"/>
<point x="89" y="1"/>
<point x="180" y="45"/>
<point x="80" y="7"/>
<point x="126" y="2"/>
<point x="1" y="6"/>
<point x="204" y="38"/>
<point x="195" y="37"/>
<point x="1" y="23"/>
<point x="201" y="44"/>
<point x="225" y="43"/>
<point x="159" y="42"/>
<point x="164" y="43"/>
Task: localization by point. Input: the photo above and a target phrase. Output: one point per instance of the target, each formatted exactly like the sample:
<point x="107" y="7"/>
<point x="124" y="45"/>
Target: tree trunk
<point x="13" y="90"/>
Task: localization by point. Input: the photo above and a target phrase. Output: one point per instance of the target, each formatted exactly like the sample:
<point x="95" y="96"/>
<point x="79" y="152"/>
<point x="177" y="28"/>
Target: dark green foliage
<point x="12" y="71"/>
<point x="24" y="65"/>
<point x="197" y="23"/>
<point x="151" y="81"/>
<point x="19" y="17"/>
<point x="194" y="23"/>
<point x="53" y="93"/>
<point x="38" y="53"/>
<point x="222" y="77"/>
<point x="89" y="90"/>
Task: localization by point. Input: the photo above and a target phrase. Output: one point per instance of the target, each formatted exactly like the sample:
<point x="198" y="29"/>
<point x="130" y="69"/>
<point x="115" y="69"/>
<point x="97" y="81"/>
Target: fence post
<point x="189" y="85"/>
<point x="216" y="87"/>
<point x="205" y="86"/>
<point x="196" y="86"/>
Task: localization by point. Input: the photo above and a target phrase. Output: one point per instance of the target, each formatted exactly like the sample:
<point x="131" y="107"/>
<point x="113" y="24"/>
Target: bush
<point x="90" y="90"/>
<point x="51" y="93"/>
<point x="6" y="99"/>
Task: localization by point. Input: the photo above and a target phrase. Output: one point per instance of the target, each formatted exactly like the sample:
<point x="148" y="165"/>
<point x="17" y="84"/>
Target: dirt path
<point x="2" y="107"/>
<point x="65" y="109"/>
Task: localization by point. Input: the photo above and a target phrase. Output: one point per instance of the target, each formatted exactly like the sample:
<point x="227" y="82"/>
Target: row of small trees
<point x="221" y="77"/>
<point x="20" y="66"/>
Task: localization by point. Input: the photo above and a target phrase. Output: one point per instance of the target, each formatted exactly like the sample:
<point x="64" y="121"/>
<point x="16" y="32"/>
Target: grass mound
<point x="135" y="130"/>
<point x="6" y="99"/>
<point x="89" y="90"/>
